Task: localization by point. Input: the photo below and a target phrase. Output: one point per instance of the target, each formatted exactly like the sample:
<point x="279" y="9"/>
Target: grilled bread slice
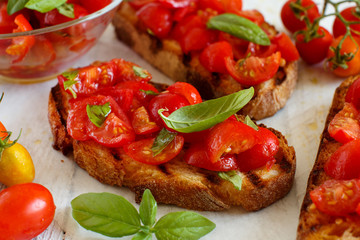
<point x="314" y="224"/>
<point x="167" y="56"/>
<point x="174" y="182"/>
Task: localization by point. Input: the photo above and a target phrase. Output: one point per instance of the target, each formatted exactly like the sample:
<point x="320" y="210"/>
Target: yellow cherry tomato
<point x="16" y="166"/>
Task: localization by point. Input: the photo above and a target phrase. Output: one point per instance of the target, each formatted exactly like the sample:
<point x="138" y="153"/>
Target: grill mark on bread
<point x="163" y="169"/>
<point x="255" y="179"/>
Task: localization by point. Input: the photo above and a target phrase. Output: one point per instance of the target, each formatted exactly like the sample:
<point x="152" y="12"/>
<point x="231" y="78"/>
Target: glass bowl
<point x="55" y="49"/>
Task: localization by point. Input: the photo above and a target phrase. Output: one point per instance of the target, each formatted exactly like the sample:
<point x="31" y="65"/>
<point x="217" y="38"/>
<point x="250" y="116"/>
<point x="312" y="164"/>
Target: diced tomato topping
<point x="286" y="47"/>
<point x="142" y="123"/>
<point x="186" y="90"/>
<point x="353" y="94"/>
<point x="213" y="56"/>
<point x="337" y="197"/>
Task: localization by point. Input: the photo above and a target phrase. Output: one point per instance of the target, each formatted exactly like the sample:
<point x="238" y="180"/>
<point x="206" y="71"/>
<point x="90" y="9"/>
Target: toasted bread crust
<point x="269" y="97"/>
<point x="174" y="182"/>
<point x="314" y="224"/>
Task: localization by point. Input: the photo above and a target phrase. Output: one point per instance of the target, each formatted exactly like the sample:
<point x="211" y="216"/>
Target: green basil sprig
<point x="42" y="6"/>
<point x="113" y="216"/>
<point x="163" y="139"/>
<point x="233" y="177"/>
<point x="239" y="27"/>
<point x="198" y="117"/>
<point x="98" y="113"/>
<point x="70" y="77"/>
<point x="140" y="72"/>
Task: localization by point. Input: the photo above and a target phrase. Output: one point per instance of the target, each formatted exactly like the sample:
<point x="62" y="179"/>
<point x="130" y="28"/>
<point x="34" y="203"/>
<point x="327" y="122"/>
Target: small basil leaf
<point x="250" y="123"/>
<point x="98" y="113"/>
<point x="149" y="92"/>
<point x="239" y="27"/>
<point x="106" y="213"/>
<point x="198" y="117"/>
<point x="233" y="177"/>
<point x="67" y="9"/>
<point x="44" y="6"/>
<point x="163" y="139"/>
<point x="182" y="225"/>
<point x="148" y="209"/>
<point x="142" y="236"/>
<point x="140" y="72"/>
<point x="14" y="6"/>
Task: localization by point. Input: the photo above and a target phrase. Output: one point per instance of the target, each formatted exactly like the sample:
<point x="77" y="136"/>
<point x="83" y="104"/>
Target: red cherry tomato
<point x="353" y="94"/>
<point x="7" y="24"/>
<point x="197" y="156"/>
<point x="20" y="46"/>
<point x="123" y="96"/>
<point x="166" y="100"/>
<point x="26" y="211"/>
<point x="289" y="19"/>
<point x="345" y="126"/>
<point x="142" y="123"/>
<point x="53" y="17"/>
<point x="316" y="50"/>
<point x="261" y="154"/>
<point x="94" y="5"/>
<point x="197" y="39"/>
<point x="257" y="50"/>
<point x="141" y="151"/>
<point x="157" y="18"/>
<point x="137" y="4"/>
<point x="185" y="25"/>
<point x="213" y="56"/>
<point x="253" y="70"/>
<point x="3" y="133"/>
<point x="229" y="137"/>
<point x="344" y="163"/>
<point x="186" y="90"/>
<point x="221" y="6"/>
<point x="128" y="71"/>
<point x="349" y="14"/>
<point x="286" y="47"/>
<point x="253" y="15"/>
<point x="175" y="3"/>
<point x="348" y="46"/>
<point x="337" y="197"/>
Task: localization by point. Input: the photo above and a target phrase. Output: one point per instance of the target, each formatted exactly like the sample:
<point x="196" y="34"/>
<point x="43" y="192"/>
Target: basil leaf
<point x="250" y="123"/>
<point x="239" y="27"/>
<point x="106" y="213"/>
<point x="198" y="117"/>
<point x="163" y="139"/>
<point x="98" y="113"/>
<point x="70" y="81"/>
<point x="142" y="236"/>
<point x="149" y="92"/>
<point x="140" y="72"/>
<point x="182" y="225"/>
<point x="44" y="6"/>
<point x="67" y="9"/>
<point x="233" y="177"/>
<point x="14" y="6"/>
<point x="148" y="208"/>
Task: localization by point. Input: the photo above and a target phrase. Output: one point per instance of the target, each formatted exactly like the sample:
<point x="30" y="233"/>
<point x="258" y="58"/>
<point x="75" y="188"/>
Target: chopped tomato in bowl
<point x="39" y="43"/>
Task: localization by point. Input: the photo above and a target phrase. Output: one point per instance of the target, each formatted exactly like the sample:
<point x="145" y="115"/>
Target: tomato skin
<point x="3" y="133"/>
<point x="197" y="39"/>
<point x="260" y="154"/>
<point x="349" y="14"/>
<point x="53" y="17"/>
<point x="186" y="90"/>
<point x="353" y="94"/>
<point x="213" y="56"/>
<point x="286" y="47"/>
<point x="7" y="23"/>
<point x="197" y="156"/>
<point x="332" y="197"/>
<point x="94" y="5"/>
<point x="168" y="101"/>
<point x="254" y="70"/>
<point x="345" y="126"/>
<point x="229" y="137"/>
<point x="348" y="46"/>
<point x="157" y="18"/>
<point x="316" y="50"/>
<point x="185" y="25"/>
<point x="291" y="22"/>
<point x="344" y="163"/>
<point x="26" y="211"/>
<point x="141" y="151"/>
<point x="221" y="6"/>
<point x="142" y="123"/>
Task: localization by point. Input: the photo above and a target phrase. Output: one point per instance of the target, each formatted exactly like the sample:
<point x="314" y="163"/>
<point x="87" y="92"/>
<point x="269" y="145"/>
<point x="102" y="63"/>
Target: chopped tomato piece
<point x="94" y="5"/>
<point x="186" y="90"/>
<point x="345" y="126"/>
<point x="261" y="154"/>
<point x="353" y="94"/>
<point x="286" y="47"/>
<point x="253" y="15"/>
<point x="7" y="24"/>
<point x="197" y="39"/>
<point x="142" y="123"/>
<point x="253" y="70"/>
<point x="197" y="156"/>
<point x="213" y="56"/>
<point x="53" y="17"/>
<point x="344" y="163"/>
<point x="128" y="71"/>
<point x="229" y="137"/>
<point x="337" y="197"/>
<point x="141" y="151"/>
<point x="185" y="25"/>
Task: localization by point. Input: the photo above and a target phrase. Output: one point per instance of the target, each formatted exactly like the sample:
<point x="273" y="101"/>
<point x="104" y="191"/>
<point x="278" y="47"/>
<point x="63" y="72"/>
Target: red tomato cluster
<point x="185" y="22"/>
<point x="343" y="166"/>
<point x="133" y="122"/>
<point x="315" y="49"/>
